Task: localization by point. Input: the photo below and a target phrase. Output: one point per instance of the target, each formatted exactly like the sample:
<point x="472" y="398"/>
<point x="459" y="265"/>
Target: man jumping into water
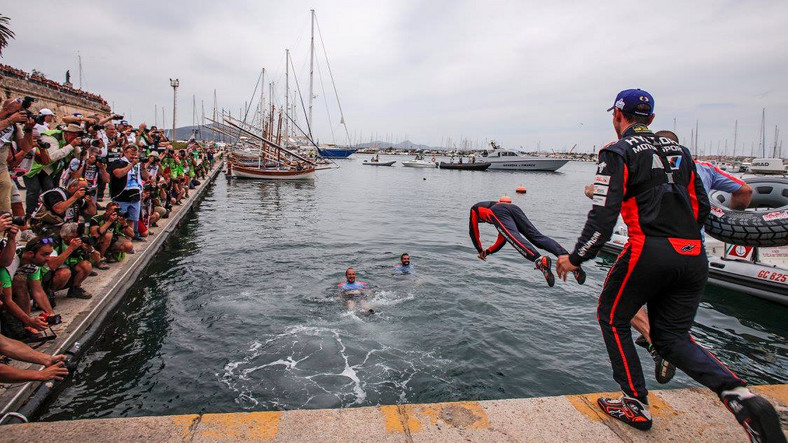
<point x="654" y="184"/>
<point x="353" y="290"/>
<point x="511" y="222"/>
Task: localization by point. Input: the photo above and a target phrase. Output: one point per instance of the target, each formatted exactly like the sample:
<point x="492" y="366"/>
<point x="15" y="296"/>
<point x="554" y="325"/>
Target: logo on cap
<point x="620" y="103"/>
<point x="643" y="98"/>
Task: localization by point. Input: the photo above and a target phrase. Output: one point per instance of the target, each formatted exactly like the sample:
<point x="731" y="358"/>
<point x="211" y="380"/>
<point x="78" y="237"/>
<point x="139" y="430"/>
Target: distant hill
<point x="405" y="145"/>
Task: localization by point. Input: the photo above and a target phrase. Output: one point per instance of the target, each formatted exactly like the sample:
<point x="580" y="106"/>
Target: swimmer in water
<point x="352" y="291"/>
<point x="404" y="267"/>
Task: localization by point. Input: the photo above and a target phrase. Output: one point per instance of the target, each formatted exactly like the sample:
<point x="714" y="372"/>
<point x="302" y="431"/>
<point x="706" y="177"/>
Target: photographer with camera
<point x="89" y="168"/>
<point x="16" y="136"/>
<point x="54" y="366"/>
<point x="63" y="205"/>
<point x="26" y="284"/>
<point x="74" y="252"/>
<point x="42" y="176"/>
<point x="111" y="233"/>
<point x="44" y="119"/>
<point x="125" y="186"/>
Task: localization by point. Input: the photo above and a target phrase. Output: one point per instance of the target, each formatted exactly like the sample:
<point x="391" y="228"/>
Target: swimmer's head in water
<point x="350" y="275"/>
<point x="505" y="199"/>
<point x="404" y="259"/>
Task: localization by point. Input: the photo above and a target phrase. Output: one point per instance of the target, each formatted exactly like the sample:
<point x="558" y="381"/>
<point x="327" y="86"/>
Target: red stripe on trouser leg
<point x="636" y="250"/>
<point x="692" y="339"/>
<point x="624" y="359"/>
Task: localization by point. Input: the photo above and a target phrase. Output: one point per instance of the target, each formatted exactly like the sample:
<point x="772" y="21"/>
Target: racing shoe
<point x="627" y="409"/>
<point x="543" y="264"/>
<point x="756" y="415"/>
<point x="663" y="369"/>
<point x="580" y="275"/>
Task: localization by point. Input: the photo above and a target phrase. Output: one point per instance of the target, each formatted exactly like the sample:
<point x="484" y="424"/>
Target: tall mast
<point x="763" y="132"/>
<point x="79" y="58"/>
<point x="214" y="117"/>
<point x="311" y="72"/>
<point x="287" y="94"/>
<point x="735" y="137"/>
<point x="262" y="100"/>
<point x="696" y="139"/>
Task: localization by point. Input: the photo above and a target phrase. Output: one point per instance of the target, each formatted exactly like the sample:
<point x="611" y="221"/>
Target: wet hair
<point x="637" y="118"/>
<point x="403" y="255"/>
<point x="348" y="270"/>
<point x="669" y="134"/>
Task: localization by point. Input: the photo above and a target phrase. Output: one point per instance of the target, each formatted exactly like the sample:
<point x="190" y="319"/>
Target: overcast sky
<point x="519" y="72"/>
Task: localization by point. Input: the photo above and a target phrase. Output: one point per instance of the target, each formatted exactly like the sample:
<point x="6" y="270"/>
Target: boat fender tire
<point x="764" y="227"/>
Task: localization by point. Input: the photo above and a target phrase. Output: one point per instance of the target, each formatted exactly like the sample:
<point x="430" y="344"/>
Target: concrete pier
<point x="686" y="415"/>
<point x="108" y="288"/>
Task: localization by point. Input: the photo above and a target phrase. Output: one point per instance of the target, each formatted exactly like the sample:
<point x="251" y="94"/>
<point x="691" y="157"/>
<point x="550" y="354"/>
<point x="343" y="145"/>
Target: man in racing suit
<point x="653" y="183"/>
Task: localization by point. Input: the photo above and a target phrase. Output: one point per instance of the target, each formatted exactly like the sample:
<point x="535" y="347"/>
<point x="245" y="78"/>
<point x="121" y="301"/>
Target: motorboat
<point x="420" y="162"/>
<point x="467" y="166"/>
<point x="508" y="160"/>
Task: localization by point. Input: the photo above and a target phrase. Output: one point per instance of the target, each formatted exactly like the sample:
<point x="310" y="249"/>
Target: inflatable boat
<point x="379" y="163"/>
<point x="747" y="249"/>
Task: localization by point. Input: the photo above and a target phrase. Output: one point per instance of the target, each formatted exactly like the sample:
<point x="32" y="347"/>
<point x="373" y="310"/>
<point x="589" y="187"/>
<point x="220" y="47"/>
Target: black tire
<point x="765" y="228"/>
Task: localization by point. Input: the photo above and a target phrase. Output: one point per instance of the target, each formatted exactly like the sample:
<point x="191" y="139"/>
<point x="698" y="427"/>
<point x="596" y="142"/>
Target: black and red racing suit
<point x="511" y="222"/>
<point x="653" y="183"/>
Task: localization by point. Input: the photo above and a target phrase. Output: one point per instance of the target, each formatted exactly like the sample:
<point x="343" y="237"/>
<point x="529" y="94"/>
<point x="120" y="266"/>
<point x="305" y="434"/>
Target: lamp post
<point x="174" y="83"/>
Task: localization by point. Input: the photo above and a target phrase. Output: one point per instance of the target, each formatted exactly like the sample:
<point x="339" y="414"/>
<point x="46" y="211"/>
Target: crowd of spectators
<point x="39" y="79"/>
<point x="94" y="187"/>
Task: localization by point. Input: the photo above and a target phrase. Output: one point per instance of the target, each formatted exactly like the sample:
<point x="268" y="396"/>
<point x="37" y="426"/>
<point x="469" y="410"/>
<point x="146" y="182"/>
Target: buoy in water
<point x="505" y="199"/>
<point x="521" y="190"/>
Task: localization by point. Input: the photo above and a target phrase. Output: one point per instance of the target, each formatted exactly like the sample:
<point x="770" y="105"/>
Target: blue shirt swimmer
<point x="353" y="290"/>
<point x="404" y="267"/>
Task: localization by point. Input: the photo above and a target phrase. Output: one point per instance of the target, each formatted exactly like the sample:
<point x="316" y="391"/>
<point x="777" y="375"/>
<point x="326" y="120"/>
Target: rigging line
<point x="310" y="140"/>
<point x="249" y="104"/>
<point x="328" y="111"/>
<point x="301" y="98"/>
<point x="333" y="83"/>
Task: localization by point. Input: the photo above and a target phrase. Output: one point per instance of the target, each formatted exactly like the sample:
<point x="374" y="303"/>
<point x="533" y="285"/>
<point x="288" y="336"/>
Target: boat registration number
<point x="773" y="276"/>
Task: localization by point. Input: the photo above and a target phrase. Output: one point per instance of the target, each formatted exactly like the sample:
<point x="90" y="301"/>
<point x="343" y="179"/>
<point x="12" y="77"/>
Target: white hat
<point x="46" y="111"/>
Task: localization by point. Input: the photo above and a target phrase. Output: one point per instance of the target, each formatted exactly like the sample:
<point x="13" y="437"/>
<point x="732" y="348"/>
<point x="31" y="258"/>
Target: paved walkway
<point x="680" y="415"/>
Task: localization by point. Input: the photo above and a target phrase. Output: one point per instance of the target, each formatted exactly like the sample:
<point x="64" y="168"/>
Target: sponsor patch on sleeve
<point x="600" y="189"/>
<point x="717" y="211"/>
<point x="600" y="200"/>
<point x="602" y="180"/>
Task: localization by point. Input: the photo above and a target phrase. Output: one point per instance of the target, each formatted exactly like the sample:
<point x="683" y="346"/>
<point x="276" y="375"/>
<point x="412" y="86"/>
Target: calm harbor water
<point x="241" y="311"/>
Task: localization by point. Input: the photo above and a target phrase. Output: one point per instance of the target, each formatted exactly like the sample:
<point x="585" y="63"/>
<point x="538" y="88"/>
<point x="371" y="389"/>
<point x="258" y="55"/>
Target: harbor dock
<point x="690" y="415"/>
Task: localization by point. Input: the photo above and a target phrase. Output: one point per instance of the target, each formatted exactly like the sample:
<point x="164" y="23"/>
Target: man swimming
<point x="353" y="290"/>
<point x="404" y="266"/>
<point x="511" y="222"/>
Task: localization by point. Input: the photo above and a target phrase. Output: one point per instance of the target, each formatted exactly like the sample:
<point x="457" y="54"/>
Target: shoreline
<point x="83" y="318"/>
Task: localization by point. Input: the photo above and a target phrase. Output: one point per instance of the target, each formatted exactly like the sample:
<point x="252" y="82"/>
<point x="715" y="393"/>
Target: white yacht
<point x="504" y="159"/>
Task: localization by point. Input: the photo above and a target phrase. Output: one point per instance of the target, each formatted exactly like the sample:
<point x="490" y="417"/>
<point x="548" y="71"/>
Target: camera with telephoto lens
<point x="26" y="102"/>
<point x="42" y="144"/>
<point x="18" y="220"/>
<point x="91" y="142"/>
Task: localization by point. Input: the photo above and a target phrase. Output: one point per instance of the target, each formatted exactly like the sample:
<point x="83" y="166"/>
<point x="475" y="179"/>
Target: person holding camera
<point x="17" y="322"/>
<point x="16" y="133"/>
<point x="110" y="232"/>
<point x="41" y="177"/>
<point x="89" y="168"/>
<point x="54" y="366"/>
<point x="73" y="254"/>
<point x="45" y="119"/>
<point x="63" y="205"/>
<point x="125" y="185"/>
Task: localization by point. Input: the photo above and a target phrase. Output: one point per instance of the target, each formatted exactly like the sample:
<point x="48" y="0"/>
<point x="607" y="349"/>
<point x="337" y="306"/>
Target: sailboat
<point x="332" y="151"/>
<point x="767" y="165"/>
